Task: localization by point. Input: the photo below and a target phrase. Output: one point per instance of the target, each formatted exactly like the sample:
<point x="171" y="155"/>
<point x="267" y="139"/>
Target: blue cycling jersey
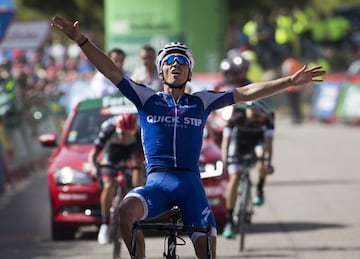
<point x="172" y="132"/>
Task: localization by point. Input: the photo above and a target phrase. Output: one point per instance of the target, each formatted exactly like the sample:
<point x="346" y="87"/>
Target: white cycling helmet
<point x="235" y="63"/>
<point x="174" y="47"/>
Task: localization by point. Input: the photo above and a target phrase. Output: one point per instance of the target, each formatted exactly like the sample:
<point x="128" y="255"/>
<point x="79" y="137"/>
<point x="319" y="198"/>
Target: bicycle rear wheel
<point x="244" y="213"/>
<point x="116" y="225"/>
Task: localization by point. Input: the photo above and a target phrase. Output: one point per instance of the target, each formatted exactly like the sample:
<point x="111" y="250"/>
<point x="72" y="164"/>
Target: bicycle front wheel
<point x="116" y="225"/>
<point x="245" y="203"/>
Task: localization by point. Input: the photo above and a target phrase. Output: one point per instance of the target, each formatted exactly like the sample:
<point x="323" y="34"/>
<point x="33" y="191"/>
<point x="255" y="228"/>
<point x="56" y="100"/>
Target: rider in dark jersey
<point x="248" y="133"/>
<point x="172" y="125"/>
<point x="119" y="143"/>
<point x="244" y="131"/>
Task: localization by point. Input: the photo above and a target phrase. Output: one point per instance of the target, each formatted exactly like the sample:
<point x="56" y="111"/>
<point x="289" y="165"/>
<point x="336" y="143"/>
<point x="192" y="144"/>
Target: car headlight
<point x="68" y="175"/>
<point x="211" y="169"/>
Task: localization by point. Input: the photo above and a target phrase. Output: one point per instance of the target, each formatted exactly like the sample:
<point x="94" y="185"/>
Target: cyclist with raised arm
<point x="249" y="131"/>
<point x="172" y="124"/>
<point x="119" y="143"/>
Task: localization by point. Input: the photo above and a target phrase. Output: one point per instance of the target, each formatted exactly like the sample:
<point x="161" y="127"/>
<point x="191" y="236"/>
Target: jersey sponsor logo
<point x="186" y="121"/>
<point x="162" y="104"/>
<point x="206" y="213"/>
<point x="172" y="248"/>
<point x="193" y="106"/>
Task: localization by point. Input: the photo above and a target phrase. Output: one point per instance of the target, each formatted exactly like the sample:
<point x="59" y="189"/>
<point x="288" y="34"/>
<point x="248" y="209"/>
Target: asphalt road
<point x="311" y="211"/>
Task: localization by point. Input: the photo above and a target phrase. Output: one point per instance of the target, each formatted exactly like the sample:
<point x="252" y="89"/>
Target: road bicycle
<point x="245" y="208"/>
<point x="172" y="230"/>
<point x="123" y="180"/>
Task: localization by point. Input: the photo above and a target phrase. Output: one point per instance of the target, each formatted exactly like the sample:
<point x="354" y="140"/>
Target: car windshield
<point x="85" y="127"/>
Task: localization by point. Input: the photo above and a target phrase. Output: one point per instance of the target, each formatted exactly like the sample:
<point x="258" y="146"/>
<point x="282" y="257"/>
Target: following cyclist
<point x="172" y="124"/>
<point x="119" y="143"/>
<point x="249" y="131"/>
<point x="234" y="70"/>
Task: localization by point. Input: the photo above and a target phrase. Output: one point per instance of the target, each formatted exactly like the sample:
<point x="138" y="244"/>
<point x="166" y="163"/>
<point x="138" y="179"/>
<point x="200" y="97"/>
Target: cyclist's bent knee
<point x="131" y="209"/>
<point x="195" y="235"/>
<point x="200" y="245"/>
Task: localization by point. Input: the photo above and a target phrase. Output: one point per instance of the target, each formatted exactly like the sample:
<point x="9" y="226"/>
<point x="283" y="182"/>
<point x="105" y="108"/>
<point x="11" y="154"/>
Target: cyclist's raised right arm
<point x="106" y="130"/>
<point x="93" y="154"/>
<point x="97" y="57"/>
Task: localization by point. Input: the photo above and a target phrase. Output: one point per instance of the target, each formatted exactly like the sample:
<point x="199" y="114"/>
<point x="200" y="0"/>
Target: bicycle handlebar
<point x="171" y="227"/>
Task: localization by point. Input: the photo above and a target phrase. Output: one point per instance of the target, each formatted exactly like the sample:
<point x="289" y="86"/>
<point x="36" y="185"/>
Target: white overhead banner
<point x="25" y="35"/>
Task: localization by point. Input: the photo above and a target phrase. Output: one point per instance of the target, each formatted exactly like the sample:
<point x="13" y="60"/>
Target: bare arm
<point x="97" y="57"/>
<point x="92" y="157"/>
<point x="224" y="150"/>
<point x="262" y="89"/>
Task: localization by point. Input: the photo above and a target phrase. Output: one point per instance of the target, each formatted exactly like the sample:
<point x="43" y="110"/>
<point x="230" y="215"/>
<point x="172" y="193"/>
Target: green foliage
<point x="89" y="13"/>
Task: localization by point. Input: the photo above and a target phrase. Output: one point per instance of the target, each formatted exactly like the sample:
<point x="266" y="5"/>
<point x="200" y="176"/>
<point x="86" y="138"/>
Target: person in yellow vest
<point x="337" y="30"/>
<point x="249" y="29"/>
<point x="318" y="32"/>
<point x="284" y="34"/>
<point x="302" y="28"/>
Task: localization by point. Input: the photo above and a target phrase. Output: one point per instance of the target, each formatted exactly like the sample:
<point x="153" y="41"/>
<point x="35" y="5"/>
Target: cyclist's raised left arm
<point x="262" y="89"/>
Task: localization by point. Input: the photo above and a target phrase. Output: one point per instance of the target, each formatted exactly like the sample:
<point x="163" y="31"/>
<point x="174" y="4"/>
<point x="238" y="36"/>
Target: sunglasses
<point x="181" y="59"/>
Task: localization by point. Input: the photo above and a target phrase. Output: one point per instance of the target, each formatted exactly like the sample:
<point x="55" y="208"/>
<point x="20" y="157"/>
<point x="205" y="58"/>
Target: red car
<point x="214" y="181"/>
<point x="74" y="194"/>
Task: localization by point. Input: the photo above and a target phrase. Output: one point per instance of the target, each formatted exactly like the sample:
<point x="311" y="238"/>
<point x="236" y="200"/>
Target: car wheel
<point x="61" y="232"/>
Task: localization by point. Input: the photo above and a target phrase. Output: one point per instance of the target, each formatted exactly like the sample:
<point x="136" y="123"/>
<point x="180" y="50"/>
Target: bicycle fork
<point x="171" y="246"/>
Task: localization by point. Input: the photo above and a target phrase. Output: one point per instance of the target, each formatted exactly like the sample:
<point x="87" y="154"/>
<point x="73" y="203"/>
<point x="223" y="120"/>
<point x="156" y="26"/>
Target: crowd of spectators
<point x="35" y="85"/>
<point x="42" y="80"/>
<point x="298" y="32"/>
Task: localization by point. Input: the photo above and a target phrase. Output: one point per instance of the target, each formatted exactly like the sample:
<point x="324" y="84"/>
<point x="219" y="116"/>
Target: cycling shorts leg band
<point x="142" y="199"/>
<point x="235" y="168"/>
<point x="196" y="235"/>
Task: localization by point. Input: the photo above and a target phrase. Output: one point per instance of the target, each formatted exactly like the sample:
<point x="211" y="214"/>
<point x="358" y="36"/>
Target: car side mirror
<point x="48" y="140"/>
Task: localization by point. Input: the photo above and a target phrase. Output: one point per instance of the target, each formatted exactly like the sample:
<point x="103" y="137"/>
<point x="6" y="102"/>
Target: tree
<point x="89" y="13"/>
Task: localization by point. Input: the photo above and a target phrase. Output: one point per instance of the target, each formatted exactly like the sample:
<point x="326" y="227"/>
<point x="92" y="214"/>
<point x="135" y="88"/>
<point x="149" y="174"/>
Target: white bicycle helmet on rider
<point x="174" y="47"/>
<point x="235" y="63"/>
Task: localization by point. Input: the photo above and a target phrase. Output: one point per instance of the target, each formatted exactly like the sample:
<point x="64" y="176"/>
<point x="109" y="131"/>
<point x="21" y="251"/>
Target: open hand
<point x="307" y="75"/>
<point x="71" y="30"/>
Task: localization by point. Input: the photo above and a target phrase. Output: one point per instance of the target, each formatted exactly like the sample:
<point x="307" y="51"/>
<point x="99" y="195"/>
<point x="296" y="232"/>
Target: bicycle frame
<point x="172" y="231"/>
<point x="114" y="214"/>
<point x="121" y="188"/>
<point x="245" y="207"/>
